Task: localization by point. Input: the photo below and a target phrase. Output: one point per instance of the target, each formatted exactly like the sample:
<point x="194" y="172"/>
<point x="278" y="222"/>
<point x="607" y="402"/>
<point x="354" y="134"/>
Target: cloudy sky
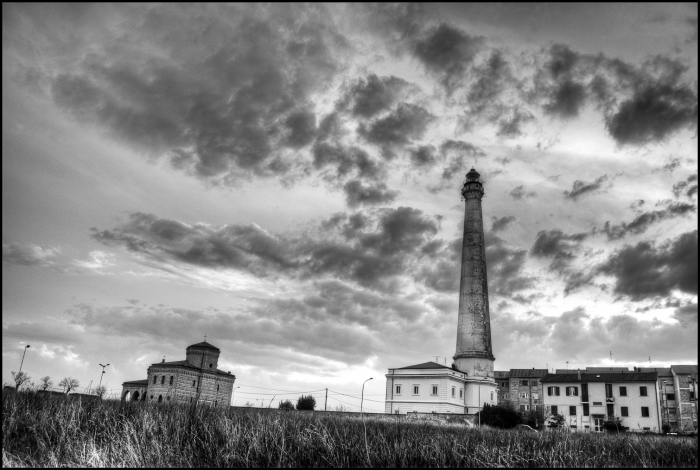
<point x="285" y="180"/>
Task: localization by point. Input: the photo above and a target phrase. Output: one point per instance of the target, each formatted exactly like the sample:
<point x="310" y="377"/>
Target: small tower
<point x="473" y="354"/>
<point x="203" y="355"/>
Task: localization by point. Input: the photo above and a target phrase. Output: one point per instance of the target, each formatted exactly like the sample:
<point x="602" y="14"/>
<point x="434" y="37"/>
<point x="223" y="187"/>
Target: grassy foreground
<point x="53" y="431"/>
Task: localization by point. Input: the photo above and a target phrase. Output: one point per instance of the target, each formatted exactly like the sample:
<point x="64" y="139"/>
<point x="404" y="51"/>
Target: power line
<point x="357" y="398"/>
<point x="275" y="389"/>
<point x="290" y="393"/>
<point x="350" y="404"/>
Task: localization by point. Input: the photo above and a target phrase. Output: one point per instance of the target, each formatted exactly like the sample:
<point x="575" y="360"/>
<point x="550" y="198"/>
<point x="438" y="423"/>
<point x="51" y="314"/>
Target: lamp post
<point x="233" y="395"/>
<point x="103" y="372"/>
<point x="363" y="393"/>
<point x="22" y="363"/>
<point x="479" y="403"/>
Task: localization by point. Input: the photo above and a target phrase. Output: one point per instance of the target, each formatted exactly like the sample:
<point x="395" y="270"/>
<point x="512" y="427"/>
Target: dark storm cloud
<point x="448" y="52"/>
<point x="645" y="270"/>
<point x="689" y="187"/>
<point x="502" y="223"/>
<point x="505" y="265"/>
<point x="493" y="79"/>
<point x="367" y="98"/>
<point x="358" y="194"/>
<point x="28" y="255"/>
<point x="686" y="314"/>
<point x="563" y="249"/>
<point x="404" y="124"/>
<point x="520" y="193"/>
<point x="567" y="100"/>
<point x="346" y="160"/>
<point x="581" y="188"/>
<point x="368" y="248"/>
<point x="220" y="91"/>
<point x="423" y="156"/>
<point x="511" y="125"/>
<point x="458" y="155"/>
<point x="653" y="114"/>
<point x="642" y="222"/>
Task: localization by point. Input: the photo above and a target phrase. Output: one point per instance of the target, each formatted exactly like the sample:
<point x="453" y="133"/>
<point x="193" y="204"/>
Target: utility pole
<point x="363" y="394"/>
<point x="325" y="405"/>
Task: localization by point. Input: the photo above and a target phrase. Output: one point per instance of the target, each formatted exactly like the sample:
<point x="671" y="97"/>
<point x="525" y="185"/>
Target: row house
<point x="677" y="395"/>
<point x="520" y="389"/>
<point x="588" y="399"/>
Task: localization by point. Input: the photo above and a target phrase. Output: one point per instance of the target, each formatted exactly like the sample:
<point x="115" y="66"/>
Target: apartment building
<point x="520" y="389"/>
<point x="677" y="395"/>
<point x="587" y="399"/>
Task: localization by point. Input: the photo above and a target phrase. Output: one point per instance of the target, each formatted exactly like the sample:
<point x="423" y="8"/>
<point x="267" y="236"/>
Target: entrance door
<point x="598" y="423"/>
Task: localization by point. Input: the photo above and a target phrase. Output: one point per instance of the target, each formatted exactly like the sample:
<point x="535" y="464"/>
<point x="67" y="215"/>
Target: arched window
<point x="217" y="388"/>
<point x="215" y="402"/>
<point x="193" y="382"/>
<point x="155" y="377"/>
<point x="151" y="397"/>
<point x="210" y="365"/>
<point x="171" y="380"/>
<point x="190" y="399"/>
<point x="160" y="398"/>
<point x="162" y="380"/>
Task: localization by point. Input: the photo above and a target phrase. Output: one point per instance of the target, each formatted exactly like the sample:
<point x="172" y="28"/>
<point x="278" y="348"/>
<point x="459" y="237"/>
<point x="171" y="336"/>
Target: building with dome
<point x="196" y="379"/>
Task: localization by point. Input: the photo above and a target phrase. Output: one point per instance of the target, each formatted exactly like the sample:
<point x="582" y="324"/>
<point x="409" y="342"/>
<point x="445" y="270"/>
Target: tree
<point x="286" y="405"/>
<point x="68" y="384"/>
<point x="499" y="417"/>
<point x="45" y="383"/>
<point x="307" y="402"/>
<point x="342" y="408"/>
<point x="555" y="421"/>
<point x="614" y="424"/>
<point x="100" y="391"/>
<point x="20" y="379"/>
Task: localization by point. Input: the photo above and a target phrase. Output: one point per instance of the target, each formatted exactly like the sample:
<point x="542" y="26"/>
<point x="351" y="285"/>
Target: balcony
<point x="609" y="399"/>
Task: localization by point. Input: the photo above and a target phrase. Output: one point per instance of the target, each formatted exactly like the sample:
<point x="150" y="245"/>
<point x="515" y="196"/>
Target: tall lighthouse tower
<point x="473" y="354"/>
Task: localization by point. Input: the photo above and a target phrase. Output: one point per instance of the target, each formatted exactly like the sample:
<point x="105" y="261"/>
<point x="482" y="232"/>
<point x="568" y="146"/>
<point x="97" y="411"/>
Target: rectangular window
<point x="523" y="382"/>
<point x="670" y="396"/>
<point x="624" y="411"/>
<point x="608" y="390"/>
<point x="555" y="409"/>
<point x="536" y="396"/>
<point x="597" y="403"/>
<point x="571" y="391"/>
<point x="585" y="409"/>
<point x="623" y="391"/>
<point x="415" y="389"/>
<point x="645" y="412"/>
<point x="171" y="380"/>
<point x="553" y="391"/>
<point x="524" y="407"/>
<point x="453" y="391"/>
<point x="692" y="395"/>
<point x="162" y="380"/>
<point x="398" y="389"/>
<point x="572" y="410"/>
<point x="435" y="388"/>
<point x="584" y="393"/>
<point x="647" y="429"/>
<point x="533" y="383"/>
<point x="611" y="410"/>
<point x="505" y="385"/>
<point x="155" y="377"/>
<point x="460" y="393"/>
<point x="524" y="395"/>
<point x="642" y="391"/>
<point x="491" y="396"/>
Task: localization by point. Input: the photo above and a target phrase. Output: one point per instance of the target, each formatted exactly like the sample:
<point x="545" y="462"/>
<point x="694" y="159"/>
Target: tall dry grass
<point x="54" y="431"/>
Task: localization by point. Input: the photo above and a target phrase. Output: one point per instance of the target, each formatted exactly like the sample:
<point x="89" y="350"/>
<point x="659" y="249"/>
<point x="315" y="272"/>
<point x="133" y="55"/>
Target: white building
<point x="433" y="388"/>
<point x="586" y="399"/>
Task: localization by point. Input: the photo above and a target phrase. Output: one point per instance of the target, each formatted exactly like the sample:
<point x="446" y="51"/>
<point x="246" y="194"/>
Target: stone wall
<point x="189" y="386"/>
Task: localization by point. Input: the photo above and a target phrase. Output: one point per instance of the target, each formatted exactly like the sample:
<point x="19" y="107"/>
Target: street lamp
<point x="233" y="394"/>
<point x="363" y="393"/>
<point x="103" y="372"/>
<point x="21" y="363"/>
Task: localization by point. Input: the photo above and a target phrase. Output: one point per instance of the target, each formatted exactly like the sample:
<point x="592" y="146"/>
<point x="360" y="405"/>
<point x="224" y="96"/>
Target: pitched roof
<point x="607" y="369"/>
<point x="136" y="382"/>
<point x="684" y="369"/>
<point x="427" y="365"/>
<point x="501" y="374"/>
<point x="203" y="344"/>
<point x="663" y="371"/>
<point x="528" y="372"/>
<point x="565" y="371"/>
<point x="603" y="377"/>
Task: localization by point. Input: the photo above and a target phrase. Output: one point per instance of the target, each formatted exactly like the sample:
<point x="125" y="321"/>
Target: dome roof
<point x="473" y="174"/>
<point x="205" y="345"/>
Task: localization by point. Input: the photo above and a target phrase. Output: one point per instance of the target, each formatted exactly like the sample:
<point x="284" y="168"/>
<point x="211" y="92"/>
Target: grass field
<point x="52" y="431"/>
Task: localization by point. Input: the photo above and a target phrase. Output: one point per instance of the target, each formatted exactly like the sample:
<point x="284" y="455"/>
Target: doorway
<point x="597" y="423"/>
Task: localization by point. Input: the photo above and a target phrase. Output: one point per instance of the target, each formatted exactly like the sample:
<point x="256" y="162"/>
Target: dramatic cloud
<point x="520" y="193"/>
<point x="502" y="223"/>
<point x="505" y="265"/>
<point x="642" y="222"/>
<point x="689" y="187"/>
<point x="369" y="97"/>
<point x="377" y="193"/>
<point x="28" y="255"/>
<point x="346" y="160"/>
<point x="563" y="249"/>
<point x="403" y="125"/>
<point x="581" y="188"/>
<point x="448" y="52"/>
<point x="645" y="270"/>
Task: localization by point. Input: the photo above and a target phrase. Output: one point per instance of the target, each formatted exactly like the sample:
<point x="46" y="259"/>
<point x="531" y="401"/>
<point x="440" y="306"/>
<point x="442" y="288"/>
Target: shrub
<point x="499" y="417"/>
<point x="556" y="421"/>
<point x="286" y="405"/>
<point x="306" y="402"/>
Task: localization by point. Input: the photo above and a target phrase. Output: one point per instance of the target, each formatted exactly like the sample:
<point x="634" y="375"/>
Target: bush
<point x="307" y="402"/>
<point x="614" y="425"/>
<point x="286" y="405"/>
<point x="499" y="417"/>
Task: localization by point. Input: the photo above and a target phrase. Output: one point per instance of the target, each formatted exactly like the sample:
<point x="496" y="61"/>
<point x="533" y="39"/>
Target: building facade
<point x="521" y="389"/>
<point x="587" y="400"/>
<point x="469" y="383"/>
<point x="197" y="379"/>
<point x="677" y="395"/>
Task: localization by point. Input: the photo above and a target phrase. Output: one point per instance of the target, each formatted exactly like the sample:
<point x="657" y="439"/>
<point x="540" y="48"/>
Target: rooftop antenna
<point x="436" y="358"/>
<point x="567" y="365"/>
<point x="205" y="338"/>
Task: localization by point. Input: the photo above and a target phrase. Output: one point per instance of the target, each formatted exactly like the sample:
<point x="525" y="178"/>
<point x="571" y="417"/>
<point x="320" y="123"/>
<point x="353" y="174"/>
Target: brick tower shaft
<point x="474" y="355"/>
